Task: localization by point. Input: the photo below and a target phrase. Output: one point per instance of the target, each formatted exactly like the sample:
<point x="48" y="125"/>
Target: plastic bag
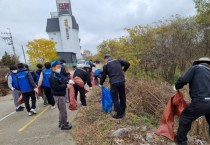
<point x="174" y="107"/>
<point x="106" y="100"/>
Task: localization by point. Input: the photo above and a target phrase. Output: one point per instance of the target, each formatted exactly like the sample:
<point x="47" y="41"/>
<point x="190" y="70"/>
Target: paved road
<point x="42" y="129"/>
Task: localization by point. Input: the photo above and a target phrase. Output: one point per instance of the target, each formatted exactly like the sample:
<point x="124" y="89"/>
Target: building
<point x="64" y="30"/>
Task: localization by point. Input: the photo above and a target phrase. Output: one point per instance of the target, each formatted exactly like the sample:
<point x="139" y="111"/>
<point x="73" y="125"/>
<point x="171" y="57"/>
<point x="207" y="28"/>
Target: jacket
<point x="25" y="81"/>
<point x="113" y="68"/>
<point x="198" y="78"/>
<point x="58" y="84"/>
<point x="63" y="73"/>
<point x="84" y="75"/>
<point x="46" y="77"/>
<point x="12" y="81"/>
<point x="38" y="73"/>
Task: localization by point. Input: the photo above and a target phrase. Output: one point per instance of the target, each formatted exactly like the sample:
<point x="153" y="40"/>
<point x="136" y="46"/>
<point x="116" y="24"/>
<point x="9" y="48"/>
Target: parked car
<point x="81" y="63"/>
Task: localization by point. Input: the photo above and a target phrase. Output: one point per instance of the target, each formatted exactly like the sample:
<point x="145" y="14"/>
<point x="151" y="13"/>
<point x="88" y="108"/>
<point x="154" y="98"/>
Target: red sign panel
<point x="64" y="6"/>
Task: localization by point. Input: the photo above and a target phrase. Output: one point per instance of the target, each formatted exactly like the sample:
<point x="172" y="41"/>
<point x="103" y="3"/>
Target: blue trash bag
<point x="106" y="100"/>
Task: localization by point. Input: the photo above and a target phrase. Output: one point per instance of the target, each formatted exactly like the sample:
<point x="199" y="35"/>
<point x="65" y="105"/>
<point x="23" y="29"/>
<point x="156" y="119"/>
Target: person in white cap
<point x="198" y="78"/>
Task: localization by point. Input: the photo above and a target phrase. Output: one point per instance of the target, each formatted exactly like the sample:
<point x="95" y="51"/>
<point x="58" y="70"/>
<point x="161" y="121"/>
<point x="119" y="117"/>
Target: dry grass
<point x="145" y="104"/>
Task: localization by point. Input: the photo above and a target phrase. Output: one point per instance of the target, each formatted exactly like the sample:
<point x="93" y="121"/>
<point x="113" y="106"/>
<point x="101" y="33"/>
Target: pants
<point x="67" y="95"/>
<point x="81" y="90"/>
<point x="43" y="96"/>
<point x="49" y="96"/>
<point x="61" y="102"/>
<point x="26" y="98"/>
<point x="190" y="114"/>
<point x="118" y="97"/>
<point x="16" y="95"/>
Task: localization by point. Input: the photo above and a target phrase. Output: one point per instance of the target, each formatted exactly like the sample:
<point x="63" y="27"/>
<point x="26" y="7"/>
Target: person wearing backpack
<point x="113" y="68"/>
<point x="45" y="84"/>
<point x="13" y="85"/>
<point x="27" y="87"/>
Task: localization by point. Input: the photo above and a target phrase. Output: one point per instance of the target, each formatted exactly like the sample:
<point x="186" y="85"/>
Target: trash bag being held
<point x="106" y="100"/>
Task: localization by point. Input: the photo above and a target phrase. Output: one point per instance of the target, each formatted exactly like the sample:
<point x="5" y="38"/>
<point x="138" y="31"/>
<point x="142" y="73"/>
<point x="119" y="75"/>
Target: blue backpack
<point x="106" y="100"/>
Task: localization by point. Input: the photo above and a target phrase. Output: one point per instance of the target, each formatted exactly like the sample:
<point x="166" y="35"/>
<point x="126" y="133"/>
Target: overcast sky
<point x="98" y="19"/>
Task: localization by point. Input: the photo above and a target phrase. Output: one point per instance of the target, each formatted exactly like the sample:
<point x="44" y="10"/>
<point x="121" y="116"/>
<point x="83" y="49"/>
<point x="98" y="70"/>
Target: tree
<point x="87" y="54"/>
<point x="41" y="51"/>
<point x="8" y="60"/>
<point x="203" y="10"/>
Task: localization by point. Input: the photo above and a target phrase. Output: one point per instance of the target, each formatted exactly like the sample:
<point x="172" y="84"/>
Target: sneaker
<point x="33" y="111"/>
<point x="53" y="107"/>
<point x="30" y="113"/>
<point x="66" y="127"/>
<point x="19" y="109"/>
<point x="116" y="116"/>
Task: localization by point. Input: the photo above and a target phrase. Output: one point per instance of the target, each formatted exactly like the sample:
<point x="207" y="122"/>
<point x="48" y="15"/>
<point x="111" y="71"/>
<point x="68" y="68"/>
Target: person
<point x="38" y="73"/>
<point x="32" y="72"/>
<point x="45" y="84"/>
<point x="58" y="87"/>
<point x="27" y="88"/>
<point x="97" y="75"/>
<point x="13" y="85"/>
<point x="198" y="78"/>
<point x="113" y="68"/>
<point x="65" y="75"/>
<point x="90" y="63"/>
<point x="84" y="74"/>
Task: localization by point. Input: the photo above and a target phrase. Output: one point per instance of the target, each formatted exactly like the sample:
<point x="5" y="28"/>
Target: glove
<point x="13" y="89"/>
<point x="91" y="88"/>
<point x="174" y="88"/>
<point x="100" y="86"/>
<point x="71" y="82"/>
<point x="36" y="90"/>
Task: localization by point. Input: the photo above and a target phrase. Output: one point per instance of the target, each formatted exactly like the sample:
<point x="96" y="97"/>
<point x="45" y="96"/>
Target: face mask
<point x="15" y="71"/>
<point x="58" y="70"/>
<point x="64" y="64"/>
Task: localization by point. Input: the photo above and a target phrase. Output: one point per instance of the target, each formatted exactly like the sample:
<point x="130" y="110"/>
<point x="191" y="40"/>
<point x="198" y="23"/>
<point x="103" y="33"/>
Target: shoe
<point x="45" y="104"/>
<point x="60" y="124"/>
<point x="180" y="143"/>
<point x="33" y="111"/>
<point x="53" y="107"/>
<point x="19" y="109"/>
<point x="66" y="127"/>
<point x="30" y="113"/>
<point x="116" y="116"/>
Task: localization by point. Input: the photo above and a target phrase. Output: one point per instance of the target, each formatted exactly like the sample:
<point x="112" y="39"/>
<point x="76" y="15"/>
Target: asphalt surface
<point x="17" y="128"/>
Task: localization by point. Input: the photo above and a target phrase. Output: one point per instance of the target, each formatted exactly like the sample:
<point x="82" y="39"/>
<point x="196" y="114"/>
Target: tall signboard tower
<point x="64" y="30"/>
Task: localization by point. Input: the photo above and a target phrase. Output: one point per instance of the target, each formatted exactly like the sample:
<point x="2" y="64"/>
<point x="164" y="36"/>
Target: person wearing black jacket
<point x="113" y="68"/>
<point x="32" y="72"/>
<point x="198" y="78"/>
<point x="58" y="86"/>
<point x="84" y="74"/>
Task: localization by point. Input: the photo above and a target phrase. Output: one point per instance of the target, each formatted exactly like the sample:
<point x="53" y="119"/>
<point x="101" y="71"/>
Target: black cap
<point x="107" y="56"/>
<point x="13" y="67"/>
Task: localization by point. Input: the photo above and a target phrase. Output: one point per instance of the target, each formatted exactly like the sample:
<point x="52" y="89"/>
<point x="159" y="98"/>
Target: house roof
<point x="54" y="26"/>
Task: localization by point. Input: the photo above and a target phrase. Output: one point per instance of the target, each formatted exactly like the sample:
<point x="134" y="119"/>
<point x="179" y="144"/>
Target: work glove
<point x="36" y="90"/>
<point x="13" y="89"/>
<point x="100" y="86"/>
<point x="71" y="82"/>
<point x="174" y="88"/>
<point x="91" y="88"/>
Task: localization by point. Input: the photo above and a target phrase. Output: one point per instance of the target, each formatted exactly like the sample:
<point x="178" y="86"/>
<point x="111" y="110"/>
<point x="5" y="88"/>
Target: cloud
<point x="98" y="19"/>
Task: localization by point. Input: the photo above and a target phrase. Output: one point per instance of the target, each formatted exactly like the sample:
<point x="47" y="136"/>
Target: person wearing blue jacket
<point x="44" y="82"/>
<point x="27" y="87"/>
<point x="13" y="85"/>
<point x="97" y="75"/>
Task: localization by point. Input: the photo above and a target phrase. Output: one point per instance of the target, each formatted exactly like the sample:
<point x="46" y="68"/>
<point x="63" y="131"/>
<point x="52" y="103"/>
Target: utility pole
<point x="9" y="39"/>
<point x="24" y="54"/>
